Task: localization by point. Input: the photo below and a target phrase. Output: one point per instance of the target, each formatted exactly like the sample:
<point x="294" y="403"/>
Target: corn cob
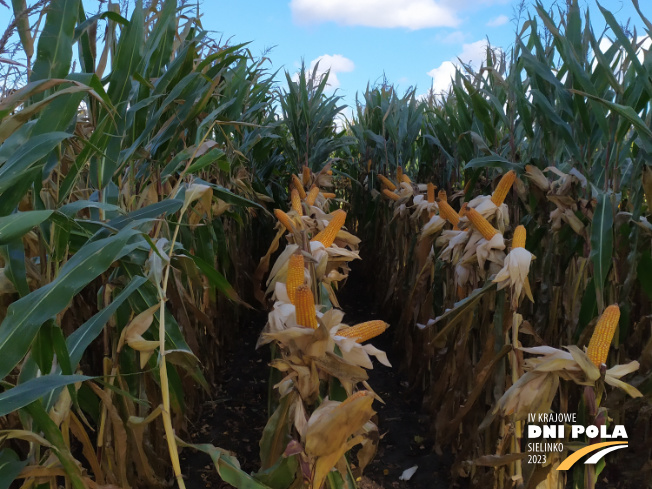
<point x="329" y="172"/>
<point x="299" y="186"/>
<point x="405" y="178"/>
<point x="518" y="241"/>
<point x="305" y="175"/>
<point x="447" y="212"/>
<point x="389" y="194"/>
<point x="431" y="193"/>
<point x="399" y="174"/>
<point x="464" y="209"/>
<point x="506" y="182"/>
<point x="467" y="186"/>
<point x="305" y="307"/>
<point x="353" y="397"/>
<point x="328" y="234"/>
<point x="312" y="195"/>
<point x="328" y="195"/>
<point x="369" y="165"/>
<point x="364" y="331"/>
<point x="284" y="219"/>
<point x="481" y="224"/>
<point x="295" y="276"/>
<point x="296" y="202"/>
<point x="603" y="335"/>
<point x="387" y="182"/>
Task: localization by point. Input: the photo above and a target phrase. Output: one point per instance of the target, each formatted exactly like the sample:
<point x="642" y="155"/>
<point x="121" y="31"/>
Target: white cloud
<point x="411" y="14"/>
<point x="455" y="37"/>
<point x="336" y="63"/>
<point x="498" y="21"/>
<point x="472" y="54"/>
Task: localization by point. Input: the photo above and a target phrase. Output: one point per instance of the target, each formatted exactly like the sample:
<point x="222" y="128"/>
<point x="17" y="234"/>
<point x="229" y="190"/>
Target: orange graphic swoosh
<point x="570" y="460"/>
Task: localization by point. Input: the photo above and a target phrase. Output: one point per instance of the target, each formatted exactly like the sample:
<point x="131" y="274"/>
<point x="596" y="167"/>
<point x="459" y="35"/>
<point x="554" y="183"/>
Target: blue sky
<point x="411" y="42"/>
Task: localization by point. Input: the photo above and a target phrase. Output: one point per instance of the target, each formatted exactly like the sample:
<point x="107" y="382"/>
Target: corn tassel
<point x="481" y="224"/>
<point x="312" y="195"/>
<point x="284" y="219"/>
<point x="295" y="276"/>
<point x="305" y="307"/>
<point x="387" y="182"/>
<point x="364" y="331"/>
<point x="328" y="195"/>
<point x="391" y="195"/>
<point x="328" y="234"/>
<point x="518" y="241"/>
<point x="299" y="186"/>
<point x="603" y="335"/>
<point x="305" y="175"/>
<point x="505" y="184"/>
<point x="431" y="193"/>
<point x="296" y="202"/>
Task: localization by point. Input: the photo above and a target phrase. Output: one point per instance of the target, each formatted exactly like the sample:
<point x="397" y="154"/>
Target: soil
<point x="234" y="419"/>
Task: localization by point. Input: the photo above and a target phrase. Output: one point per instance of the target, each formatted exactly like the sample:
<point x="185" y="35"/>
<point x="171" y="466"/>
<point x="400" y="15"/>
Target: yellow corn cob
<point x="387" y="182"/>
<point x="518" y="241"/>
<point x="312" y="195"/>
<point x="284" y="219"/>
<point x="506" y="182"/>
<point x="466" y="187"/>
<point x="431" y="193"/>
<point x="389" y="194"/>
<point x="328" y="234"/>
<point x="296" y="202"/>
<point x="369" y="165"/>
<point x="603" y="335"/>
<point x="464" y="209"/>
<point x="447" y="212"/>
<point x="405" y="178"/>
<point x="295" y="276"/>
<point x="328" y="195"/>
<point x="305" y="307"/>
<point x="481" y="224"/>
<point x="399" y="174"/>
<point x="364" y="331"/>
<point x="353" y="397"/>
<point x="299" y="186"/>
<point x="305" y="175"/>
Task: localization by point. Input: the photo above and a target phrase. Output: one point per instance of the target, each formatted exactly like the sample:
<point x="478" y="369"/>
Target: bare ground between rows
<point x="235" y="417"/>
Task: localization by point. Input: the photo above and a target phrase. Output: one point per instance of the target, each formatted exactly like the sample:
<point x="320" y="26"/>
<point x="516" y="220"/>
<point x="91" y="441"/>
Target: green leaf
<point x="28" y="392"/>
<point x="10" y="467"/>
<point x="493" y="161"/>
<point x="54" y="50"/>
<point x="227" y="466"/>
<point x="25" y="316"/>
<point x="216" y="278"/>
<point x="83" y="336"/>
<point x="16" y="225"/>
<point x="601" y="244"/>
<point x="23" y="166"/>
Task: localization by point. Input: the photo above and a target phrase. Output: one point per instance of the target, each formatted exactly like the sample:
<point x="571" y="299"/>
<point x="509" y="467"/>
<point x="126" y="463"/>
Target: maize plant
<point x="321" y="412"/>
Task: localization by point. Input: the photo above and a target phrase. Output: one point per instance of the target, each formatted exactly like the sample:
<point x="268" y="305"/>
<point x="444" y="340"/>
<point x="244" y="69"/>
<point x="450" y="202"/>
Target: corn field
<point x="157" y="186"/>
